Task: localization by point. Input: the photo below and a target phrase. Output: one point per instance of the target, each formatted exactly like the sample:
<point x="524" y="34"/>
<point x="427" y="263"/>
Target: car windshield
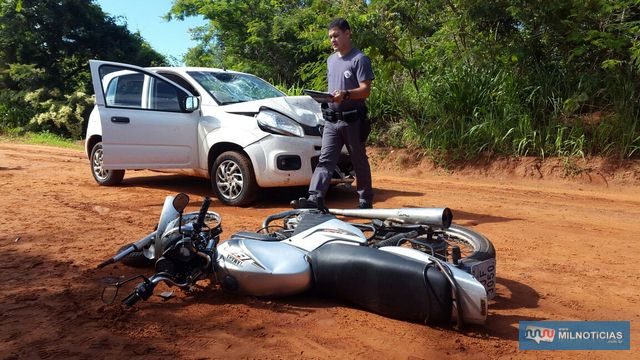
<point x="229" y="88"/>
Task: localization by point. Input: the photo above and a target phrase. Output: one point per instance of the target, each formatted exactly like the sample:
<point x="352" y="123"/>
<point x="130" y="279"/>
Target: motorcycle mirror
<point x="109" y="294"/>
<point x="180" y="202"/>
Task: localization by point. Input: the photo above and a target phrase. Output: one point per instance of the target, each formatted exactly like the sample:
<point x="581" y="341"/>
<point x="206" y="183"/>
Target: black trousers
<point x="334" y="137"/>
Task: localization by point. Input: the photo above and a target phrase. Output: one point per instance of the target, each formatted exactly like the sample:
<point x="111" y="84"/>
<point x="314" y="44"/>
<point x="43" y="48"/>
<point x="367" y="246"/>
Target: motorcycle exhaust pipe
<point x="440" y="217"/>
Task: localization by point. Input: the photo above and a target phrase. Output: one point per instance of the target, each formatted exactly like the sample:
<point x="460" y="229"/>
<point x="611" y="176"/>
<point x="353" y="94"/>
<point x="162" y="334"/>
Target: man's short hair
<point x="340" y="23"/>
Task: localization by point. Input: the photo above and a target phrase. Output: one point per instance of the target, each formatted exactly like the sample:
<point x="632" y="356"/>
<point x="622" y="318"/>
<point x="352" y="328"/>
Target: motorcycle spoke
<point x="466" y="249"/>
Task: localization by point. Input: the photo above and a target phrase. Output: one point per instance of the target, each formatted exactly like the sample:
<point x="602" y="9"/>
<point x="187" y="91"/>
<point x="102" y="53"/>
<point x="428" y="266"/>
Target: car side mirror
<point x="190" y="103"/>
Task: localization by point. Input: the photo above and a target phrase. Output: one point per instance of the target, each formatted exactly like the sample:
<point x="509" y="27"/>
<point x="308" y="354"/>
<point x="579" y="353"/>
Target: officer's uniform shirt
<point x="346" y="73"/>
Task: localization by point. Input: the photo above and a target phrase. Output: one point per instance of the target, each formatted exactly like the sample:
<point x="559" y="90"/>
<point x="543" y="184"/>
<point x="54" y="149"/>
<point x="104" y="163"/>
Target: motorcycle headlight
<point x="276" y="123"/>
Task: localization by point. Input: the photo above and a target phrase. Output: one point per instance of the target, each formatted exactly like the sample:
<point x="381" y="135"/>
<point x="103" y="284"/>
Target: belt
<point x="347" y="116"/>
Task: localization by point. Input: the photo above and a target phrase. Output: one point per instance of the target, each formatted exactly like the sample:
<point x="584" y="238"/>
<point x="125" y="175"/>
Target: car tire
<point x="102" y="176"/>
<point x="233" y="180"/>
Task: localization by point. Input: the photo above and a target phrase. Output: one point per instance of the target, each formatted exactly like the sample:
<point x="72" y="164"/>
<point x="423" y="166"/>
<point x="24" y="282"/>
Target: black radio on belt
<point x="346" y="116"/>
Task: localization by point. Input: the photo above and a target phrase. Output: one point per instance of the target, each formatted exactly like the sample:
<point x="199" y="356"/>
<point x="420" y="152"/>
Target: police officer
<point x="346" y="123"/>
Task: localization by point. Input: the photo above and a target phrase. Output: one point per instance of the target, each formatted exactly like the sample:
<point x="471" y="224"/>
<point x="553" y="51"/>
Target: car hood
<point x="302" y="109"/>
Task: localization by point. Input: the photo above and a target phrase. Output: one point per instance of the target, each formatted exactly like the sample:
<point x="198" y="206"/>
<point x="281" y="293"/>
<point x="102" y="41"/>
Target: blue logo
<point x="574" y="335"/>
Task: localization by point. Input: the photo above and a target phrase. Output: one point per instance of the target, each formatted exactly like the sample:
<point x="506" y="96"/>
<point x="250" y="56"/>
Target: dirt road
<point x="566" y="250"/>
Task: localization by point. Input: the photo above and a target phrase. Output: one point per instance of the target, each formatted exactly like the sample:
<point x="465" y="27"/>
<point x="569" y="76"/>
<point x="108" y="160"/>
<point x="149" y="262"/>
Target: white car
<point x="234" y="128"/>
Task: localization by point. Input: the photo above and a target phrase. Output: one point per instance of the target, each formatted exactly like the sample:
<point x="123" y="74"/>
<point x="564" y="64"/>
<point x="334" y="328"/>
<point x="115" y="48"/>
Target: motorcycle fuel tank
<point x="264" y="268"/>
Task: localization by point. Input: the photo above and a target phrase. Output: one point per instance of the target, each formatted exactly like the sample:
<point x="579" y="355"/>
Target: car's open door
<point x="148" y="121"/>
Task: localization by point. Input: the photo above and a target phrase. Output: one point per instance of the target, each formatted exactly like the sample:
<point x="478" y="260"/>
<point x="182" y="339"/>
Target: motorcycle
<point x="408" y="263"/>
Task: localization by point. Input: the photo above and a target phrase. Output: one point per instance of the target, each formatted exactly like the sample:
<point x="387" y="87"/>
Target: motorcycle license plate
<point x="485" y="273"/>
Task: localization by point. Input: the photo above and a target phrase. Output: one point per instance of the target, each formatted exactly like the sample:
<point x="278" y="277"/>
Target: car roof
<point x="192" y="68"/>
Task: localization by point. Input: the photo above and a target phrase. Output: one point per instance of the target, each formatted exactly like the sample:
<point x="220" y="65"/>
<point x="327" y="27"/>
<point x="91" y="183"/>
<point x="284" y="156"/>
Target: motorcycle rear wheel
<point x="473" y="246"/>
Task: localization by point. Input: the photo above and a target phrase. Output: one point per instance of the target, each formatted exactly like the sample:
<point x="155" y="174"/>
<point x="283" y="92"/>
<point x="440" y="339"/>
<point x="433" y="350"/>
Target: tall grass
<point x="463" y="111"/>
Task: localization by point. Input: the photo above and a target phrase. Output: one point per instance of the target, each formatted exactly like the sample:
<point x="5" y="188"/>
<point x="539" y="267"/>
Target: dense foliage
<point x="45" y="46"/>
<point x="456" y="77"/>
<point x="453" y="77"/>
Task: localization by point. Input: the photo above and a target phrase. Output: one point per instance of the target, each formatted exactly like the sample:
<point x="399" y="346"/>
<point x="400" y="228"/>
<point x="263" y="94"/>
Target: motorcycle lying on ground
<point x="409" y="263"/>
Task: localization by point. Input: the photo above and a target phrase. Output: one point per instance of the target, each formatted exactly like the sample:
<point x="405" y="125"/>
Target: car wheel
<point x="103" y="176"/>
<point x="233" y="180"/>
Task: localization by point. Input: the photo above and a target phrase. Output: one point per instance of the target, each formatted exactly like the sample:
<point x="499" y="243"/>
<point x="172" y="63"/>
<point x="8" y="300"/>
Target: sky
<point x="168" y="38"/>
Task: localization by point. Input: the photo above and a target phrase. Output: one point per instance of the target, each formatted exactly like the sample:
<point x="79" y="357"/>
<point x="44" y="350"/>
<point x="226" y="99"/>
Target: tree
<point x="270" y="38"/>
<point x="45" y="46"/>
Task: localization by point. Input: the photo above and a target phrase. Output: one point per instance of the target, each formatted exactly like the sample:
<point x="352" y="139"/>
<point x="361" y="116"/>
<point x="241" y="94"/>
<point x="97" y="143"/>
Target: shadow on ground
<point x="466" y="218"/>
<point x="53" y="311"/>
<point x="512" y="296"/>
<point x="338" y="196"/>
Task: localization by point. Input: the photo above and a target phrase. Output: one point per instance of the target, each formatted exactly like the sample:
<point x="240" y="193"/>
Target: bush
<point x="66" y="115"/>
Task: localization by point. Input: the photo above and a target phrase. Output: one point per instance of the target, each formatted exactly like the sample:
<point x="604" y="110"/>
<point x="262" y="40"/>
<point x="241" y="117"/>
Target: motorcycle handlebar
<point x="144" y="290"/>
<point x="203" y="212"/>
<point x="105" y="263"/>
<point x="136" y="246"/>
<point x="131" y="299"/>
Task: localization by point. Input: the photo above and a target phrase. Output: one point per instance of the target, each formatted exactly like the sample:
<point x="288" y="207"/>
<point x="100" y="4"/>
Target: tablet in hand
<point x="319" y="96"/>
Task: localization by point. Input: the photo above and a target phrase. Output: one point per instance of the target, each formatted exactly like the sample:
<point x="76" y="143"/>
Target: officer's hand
<point x="338" y="96"/>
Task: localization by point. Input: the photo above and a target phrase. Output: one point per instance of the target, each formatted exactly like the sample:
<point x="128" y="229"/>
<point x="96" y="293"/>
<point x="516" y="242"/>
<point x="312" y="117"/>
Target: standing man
<point x="346" y="122"/>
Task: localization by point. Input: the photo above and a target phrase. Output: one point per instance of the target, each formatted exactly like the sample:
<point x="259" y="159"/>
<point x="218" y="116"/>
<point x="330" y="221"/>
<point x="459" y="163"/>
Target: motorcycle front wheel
<point x="136" y="259"/>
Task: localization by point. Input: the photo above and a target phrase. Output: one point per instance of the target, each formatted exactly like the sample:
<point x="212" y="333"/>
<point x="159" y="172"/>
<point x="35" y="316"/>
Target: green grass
<point x="42" y="138"/>
<point x="462" y="112"/>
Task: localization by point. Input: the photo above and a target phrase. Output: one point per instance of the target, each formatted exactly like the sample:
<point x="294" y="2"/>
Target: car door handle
<point x="120" y="119"/>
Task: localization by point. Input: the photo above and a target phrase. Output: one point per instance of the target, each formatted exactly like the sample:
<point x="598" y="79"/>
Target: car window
<point x="164" y="96"/>
<point x="125" y="90"/>
<point x="180" y="81"/>
<point x="228" y="88"/>
<point x="124" y="87"/>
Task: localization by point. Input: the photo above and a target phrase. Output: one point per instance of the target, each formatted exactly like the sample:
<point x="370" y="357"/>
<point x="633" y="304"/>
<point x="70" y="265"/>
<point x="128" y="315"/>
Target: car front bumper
<point x="280" y="161"/>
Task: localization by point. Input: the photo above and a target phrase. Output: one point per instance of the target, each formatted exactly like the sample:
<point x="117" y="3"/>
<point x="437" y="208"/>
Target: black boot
<point x="304" y="203"/>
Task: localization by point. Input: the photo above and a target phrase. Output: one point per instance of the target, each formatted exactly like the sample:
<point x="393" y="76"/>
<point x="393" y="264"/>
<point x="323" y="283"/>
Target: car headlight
<point x="276" y="123"/>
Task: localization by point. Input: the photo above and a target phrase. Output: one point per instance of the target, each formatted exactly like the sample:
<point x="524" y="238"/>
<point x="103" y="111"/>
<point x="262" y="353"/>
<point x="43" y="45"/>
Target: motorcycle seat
<point x="382" y="282"/>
